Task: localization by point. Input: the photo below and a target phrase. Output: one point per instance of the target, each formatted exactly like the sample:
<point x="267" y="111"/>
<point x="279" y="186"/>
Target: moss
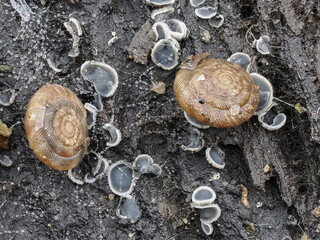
<point x="5" y="68"/>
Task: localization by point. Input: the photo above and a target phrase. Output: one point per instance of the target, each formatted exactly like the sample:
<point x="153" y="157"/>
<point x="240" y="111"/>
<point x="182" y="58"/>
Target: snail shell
<point x="215" y="92"/>
<point x="56" y="127"/>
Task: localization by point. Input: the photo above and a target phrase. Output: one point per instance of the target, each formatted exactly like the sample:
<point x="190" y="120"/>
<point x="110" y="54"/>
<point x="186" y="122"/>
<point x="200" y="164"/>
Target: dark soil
<point x="40" y="203"/>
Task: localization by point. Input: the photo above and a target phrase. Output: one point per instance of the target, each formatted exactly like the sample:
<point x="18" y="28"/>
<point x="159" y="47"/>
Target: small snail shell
<point x="215" y="92"/>
<point x="56" y="127"/>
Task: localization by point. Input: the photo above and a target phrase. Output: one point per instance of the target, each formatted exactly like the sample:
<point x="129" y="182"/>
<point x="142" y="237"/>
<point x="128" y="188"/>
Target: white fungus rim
<point x="197" y="203"/>
<point x="216" y="217"/>
<point x="192" y="122"/>
<point x="209" y="225"/>
<point x="108" y="126"/>
<point x="273" y="126"/>
<point x="211" y="161"/>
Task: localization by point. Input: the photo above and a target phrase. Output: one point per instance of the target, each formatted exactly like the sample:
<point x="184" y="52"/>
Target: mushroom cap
<point x="216" y="92"/>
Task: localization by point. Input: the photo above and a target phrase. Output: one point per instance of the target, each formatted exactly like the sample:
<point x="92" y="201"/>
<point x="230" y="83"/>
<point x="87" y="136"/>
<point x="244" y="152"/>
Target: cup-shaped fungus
<point x="196" y="3"/>
<point x="144" y="164"/>
<point x="206" y="12"/>
<point x="165" y="53"/>
<point x="216" y="21"/>
<point x="7" y="97"/>
<point x="92" y="116"/>
<point x="265" y="93"/>
<point x="103" y="76"/>
<point x="178" y="29"/>
<point x="121" y="178"/>
<point x="161" y="13"/>
<point x="196" y="141"/>
<point x="241" y="59"/>
<point x="5" y="161"/>
<point x="195" y="122"/>
<point x="278" y="121"/>
<point x="99" y="171"/>
<point x="263" y="45"/>
<point x="215" y="156"/>
<point x="207" y="228"/>
<point x="210" y="213"/>
<point x="215" y="92"/>
<point x="159" y="3"/>
<point x="161" y="30"/>
<point x="115" y="135"/>
<point x="129" y="210"/>
<point x="203" y="195"/>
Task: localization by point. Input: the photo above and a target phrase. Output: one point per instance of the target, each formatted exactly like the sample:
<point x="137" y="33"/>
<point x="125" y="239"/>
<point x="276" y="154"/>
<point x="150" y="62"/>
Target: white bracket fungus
<point x="196" y="141"/>
<point x="129" y="210"/>
<point x="207" y="228"/>
<point x="277" y="122"/>
<point x="74" y="28"/>
<point x="178" y="29"/>
<point x="114" y="133"/>
<point x="216" y="21"/>
<point x="241" y="59"/>
<point x="196" y="3"/>
<point x="159" y="3"/>
<point x="215" y="156"/>
<point x="206" y="12"/>
<point x="144" y="164"/>
<point x="121" y="178"/>
<point x="165" y="53"/>
<point x="195" y="122"/>
<point x="203" y="195"/>
<point x="7" y="97"/>
<point x="103" y="76"/>
<point x="265" y="93"/>
<point x="161" y="13"/>
<point x="161" y="30"/>
<point x="263" y="45"/>
<point x="5" y="161"/>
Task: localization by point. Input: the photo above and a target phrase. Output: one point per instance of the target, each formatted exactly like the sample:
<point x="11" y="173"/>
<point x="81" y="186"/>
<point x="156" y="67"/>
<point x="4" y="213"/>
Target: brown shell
<point x="56" y="127"/>
<point x="216" y="92"/>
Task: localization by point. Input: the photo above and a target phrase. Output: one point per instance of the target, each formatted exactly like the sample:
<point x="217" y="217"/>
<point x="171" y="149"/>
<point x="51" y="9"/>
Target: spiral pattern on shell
<point x="216" y="92"/>
<point x="56" y="127"/>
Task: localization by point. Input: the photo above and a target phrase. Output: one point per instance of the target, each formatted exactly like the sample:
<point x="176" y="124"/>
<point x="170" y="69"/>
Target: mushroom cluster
<point x="202" y="199"/>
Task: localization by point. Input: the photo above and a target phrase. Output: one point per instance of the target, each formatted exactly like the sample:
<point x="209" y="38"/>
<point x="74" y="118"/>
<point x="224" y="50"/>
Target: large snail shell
<point x="216" y="92"/>
<point x="56" y="127"/>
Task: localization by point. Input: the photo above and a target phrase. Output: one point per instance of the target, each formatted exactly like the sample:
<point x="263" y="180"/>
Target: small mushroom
<point x="263" y="45"/>
<point x="195" y="122"/>
<point x="196" y="3"/>
<point x="159" y="3"/>
<point x="210" y="213"/>
<point x="103" y="76"/>
<point x="206" y="12"/>
<point x="98" y="102"/>
<point x="7" y="97"/>
<point x="277" y="122"/>
<point x="5" y="161"/>
<point x="215" y="156"/>
<point x="203" y="195"/>
<point x="144" y="164"/>
<point x="207" y="228"/>
<point x="115" y="135"/>
<point x="265" y="93"/>
<point x="129" y="210"/>
<point x="100" y="170"/>
<point x="121" y="178"/>
<point x="161" y="13"/>
<point x="196" y="141"/>
<point x="241" y="59"/>
<point x="75" y="177"/>
<point x="216" y="21"/>
<point x="92" y="117"/>
<point x="161" y="30"/>
<point x="165" y="53"/>
<point x="178" y="29"/>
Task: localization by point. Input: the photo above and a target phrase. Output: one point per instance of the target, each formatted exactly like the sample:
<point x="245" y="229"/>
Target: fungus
<point x="178" y="29"/>
<point x="7" y="97"/>
<point x="52" y="65"/>
<point x="161" y="13"/>
<point x="144" y="164"/>
<point x="165" y="53"/>
<point x="161" y="30"/>
<point x="210" y="213"/>
<point x="5" y="161"/>
<point x="98" y="102"/>
<point x="195" y="122"/>
<point x="74" y="28"/>
<point x="203" y="195"/>
<point x="241" y="59"/>
<point x="103" y="76"/>
<point x="121" y="178"/>
<point x="265" y="93"/>
<point x="129" y="210"/>
<point x="196" y="3"/>
<point x="215" y="156"/>
<point x="277" y="122"/>
<point x="75" y="25"/>
<point x="115" y="135"/>
<point x="287" y="238"/>
<point x="207" y="228"/>
<point x="206" y="12"/>
<point x="196" y="141"/>
<point x="159" y="3"/>
<point x="92" y="117"/>
<point x="100" y="170"/>
<point x="263" y="45"/>
<point x="75" y="178"/>
<point x="216" y="21"/>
